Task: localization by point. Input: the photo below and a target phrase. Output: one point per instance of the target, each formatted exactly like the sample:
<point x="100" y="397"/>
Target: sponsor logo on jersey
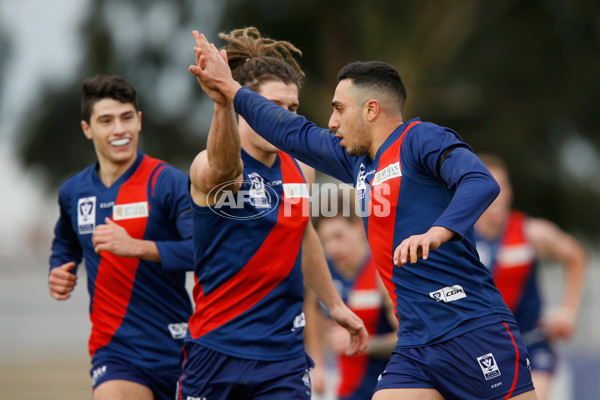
<point x="488" y="366"/>
<point x="196" y="398"/>
<point x="130" y="211"/>
<point x="389" y="172"/>
<point x="86" y="215"/>
<point x="299" y="321"/>
<point x="178" y="330"/>
<point x="296" y="190"/>
<point x="98" y="373"/>
<point x="448" y="294"/>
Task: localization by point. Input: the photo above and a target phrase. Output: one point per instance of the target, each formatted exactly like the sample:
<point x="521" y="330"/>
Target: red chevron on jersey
<point x="116" y="275"/>
<point x="267" y="268"/>
<point x="384" y="196"/>
<point x="515" y="261"/>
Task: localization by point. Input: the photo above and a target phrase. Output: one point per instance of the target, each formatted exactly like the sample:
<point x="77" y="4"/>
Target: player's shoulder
<point x="71" y="183"/>
<point x="426" y="129"/>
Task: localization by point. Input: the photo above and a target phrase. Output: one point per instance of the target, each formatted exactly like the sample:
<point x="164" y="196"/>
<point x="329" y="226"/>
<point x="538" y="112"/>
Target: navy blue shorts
<point x="163" y="384"/>
<point x="543" y="357"/>
<point x="487" y="363"/>
<point x="216" y="376"/>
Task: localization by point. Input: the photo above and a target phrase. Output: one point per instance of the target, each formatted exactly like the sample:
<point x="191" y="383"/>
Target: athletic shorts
<point x="543" y="357"/>
<point x="487" y="363"/>
<point x="162" y="383"/>
<point x="209" y="374"/>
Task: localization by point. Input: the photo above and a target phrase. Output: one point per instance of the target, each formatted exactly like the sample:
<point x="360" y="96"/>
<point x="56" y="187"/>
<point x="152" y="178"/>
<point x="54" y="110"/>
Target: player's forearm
<point x="315" y="269"/>
<point x="294" y="134"/>
<point x="224" y="145"/>
<point x="574" y="279"/>
<point x="146" y="250"/>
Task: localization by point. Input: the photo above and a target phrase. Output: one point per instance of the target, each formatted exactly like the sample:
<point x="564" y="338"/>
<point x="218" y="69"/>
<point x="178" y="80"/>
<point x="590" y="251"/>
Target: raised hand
<point x="212" y="70"/>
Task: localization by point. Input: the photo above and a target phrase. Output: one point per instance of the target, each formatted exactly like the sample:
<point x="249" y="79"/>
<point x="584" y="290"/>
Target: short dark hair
<point x="102" y="87"/>
<point x="377" y="75"/>
<point x="255" y="59"/>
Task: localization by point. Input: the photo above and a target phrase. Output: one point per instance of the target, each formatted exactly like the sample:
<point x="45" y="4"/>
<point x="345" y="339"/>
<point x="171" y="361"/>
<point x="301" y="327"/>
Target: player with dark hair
<point x="511" y="244"/>
<point x="128" y="216"/>
<point x="421" y="189"/>
<point x="246" y="335"/>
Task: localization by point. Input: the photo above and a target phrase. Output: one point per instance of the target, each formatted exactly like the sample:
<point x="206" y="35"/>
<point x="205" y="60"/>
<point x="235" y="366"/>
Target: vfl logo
<point x="449" y="293"/>
<point x="488" y="366"/>
<point x="179" y="330"/>
<point x="86" y="215"/>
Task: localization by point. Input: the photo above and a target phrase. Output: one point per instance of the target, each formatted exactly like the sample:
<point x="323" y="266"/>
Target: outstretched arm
<point x="221" y="164"/>
<point x="290" y="132"/>
<point x="318" y="278"/>
<point x="554" y="244"/>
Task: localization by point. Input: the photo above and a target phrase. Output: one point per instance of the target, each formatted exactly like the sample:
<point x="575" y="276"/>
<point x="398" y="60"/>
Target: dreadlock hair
<point x="254" y="59"/>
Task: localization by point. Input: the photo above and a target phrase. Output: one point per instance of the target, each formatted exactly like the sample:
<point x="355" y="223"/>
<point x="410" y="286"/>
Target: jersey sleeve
<point x="440" y="153"/>
<point x="295" y="135"/>
<point x="65" y="245"/>
<point x="172" y="193"/>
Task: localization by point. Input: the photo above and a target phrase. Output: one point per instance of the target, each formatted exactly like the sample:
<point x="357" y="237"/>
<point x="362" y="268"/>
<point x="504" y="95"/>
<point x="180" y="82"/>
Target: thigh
<point x="122" y="390"/>
<point x="407" y="394"/>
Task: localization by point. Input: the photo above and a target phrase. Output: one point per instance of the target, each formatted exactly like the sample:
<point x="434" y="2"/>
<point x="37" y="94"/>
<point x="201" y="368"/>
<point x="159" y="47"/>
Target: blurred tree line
<point x="517" y="79"/>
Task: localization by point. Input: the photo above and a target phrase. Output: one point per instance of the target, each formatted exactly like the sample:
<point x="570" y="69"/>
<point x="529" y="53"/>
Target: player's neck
<point x="110" y="172"/>
<point x="381" y="132"/>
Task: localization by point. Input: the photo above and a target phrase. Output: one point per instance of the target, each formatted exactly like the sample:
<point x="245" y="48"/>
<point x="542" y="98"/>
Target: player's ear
<point x="372" y="108"/>
<point x="140" y="119"/>
<point x="85" y="127"/>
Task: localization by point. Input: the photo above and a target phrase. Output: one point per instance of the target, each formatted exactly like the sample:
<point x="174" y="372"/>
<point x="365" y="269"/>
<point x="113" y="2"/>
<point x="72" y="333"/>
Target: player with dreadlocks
<point x="254" y="246"/>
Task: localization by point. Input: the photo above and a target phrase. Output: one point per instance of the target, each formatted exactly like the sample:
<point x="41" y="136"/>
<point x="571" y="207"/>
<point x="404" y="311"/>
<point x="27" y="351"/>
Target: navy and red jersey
<point x="247" y="250"/>
<point x="512" y="259"/>
<point x="423" y="175"/>
<point x="138" y="308"/>
<point x="363" y="295"/>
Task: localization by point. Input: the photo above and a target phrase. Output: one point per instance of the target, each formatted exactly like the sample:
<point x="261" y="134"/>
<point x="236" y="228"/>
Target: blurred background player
<point x="356" y="279"/>
<point x="246" y="335"/>
<point x="128" y="216"/>
<point x="511" y="244"/>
